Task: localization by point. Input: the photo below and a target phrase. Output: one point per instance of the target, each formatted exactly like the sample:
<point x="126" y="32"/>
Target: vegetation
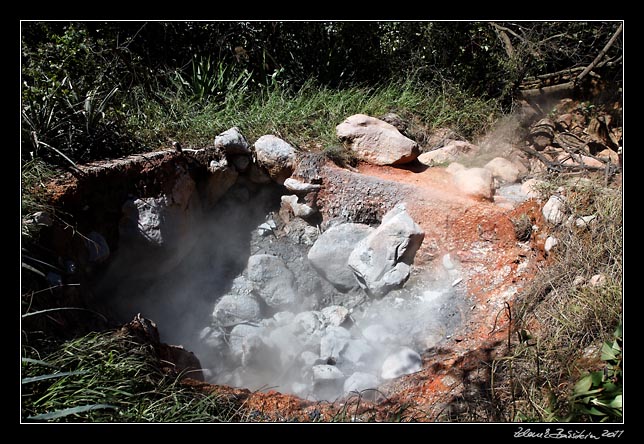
<point x="110" y="377"/>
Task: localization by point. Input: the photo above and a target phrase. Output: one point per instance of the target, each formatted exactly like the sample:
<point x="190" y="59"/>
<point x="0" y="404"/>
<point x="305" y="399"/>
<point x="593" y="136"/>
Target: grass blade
<point x="37" y="361"/>
<point x="71" y="411"/>
<point x="52" y="376"/>
<point x="34" y="313"/>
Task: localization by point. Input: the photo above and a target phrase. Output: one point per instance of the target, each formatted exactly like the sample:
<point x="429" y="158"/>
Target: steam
<point x="318" y="343"/>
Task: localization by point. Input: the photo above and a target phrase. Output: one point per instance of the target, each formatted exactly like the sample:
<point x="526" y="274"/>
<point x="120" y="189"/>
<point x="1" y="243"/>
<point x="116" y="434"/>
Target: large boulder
<point x="476" y="182"/>
<point x="382" y="260"/>
<point x="276" y="156"/>
<point x="376" y="141"/>
<point x="273" y="281"/>
<point x="232" y="141"/>
<point x="234" y="309"/>
<point x="448" y="153"/>
<point x="329" y="255"/>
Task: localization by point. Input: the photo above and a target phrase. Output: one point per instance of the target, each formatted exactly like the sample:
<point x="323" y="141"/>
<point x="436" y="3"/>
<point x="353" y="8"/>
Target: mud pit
<point x="289" y="329"/>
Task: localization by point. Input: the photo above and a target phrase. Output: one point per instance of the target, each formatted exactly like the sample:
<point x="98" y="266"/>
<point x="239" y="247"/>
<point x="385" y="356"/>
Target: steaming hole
<point x="234" y="285"/>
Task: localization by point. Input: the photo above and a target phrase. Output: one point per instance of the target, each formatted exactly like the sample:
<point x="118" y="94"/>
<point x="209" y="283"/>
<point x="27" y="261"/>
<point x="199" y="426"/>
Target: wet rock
<point x="360" y="381"/>
<point x="273" y="281"/>
<point x="402" y="362"/>
<point x="97" y="248"/>
<point x="232" y="141"/>
<point x="330" y="253"/>
<point x="476" y="182"/>
<point x="382" y="260"/>
<point x="333" y="341"/>
<point x="276" y="156"/>
<point x="450" y="152"/>
<point x="554" y="210"/>
<point x="375" y="141"/>
<point x="503" y="170"/>
<point x="233" y="309"/>
<point x="335" y="315"/>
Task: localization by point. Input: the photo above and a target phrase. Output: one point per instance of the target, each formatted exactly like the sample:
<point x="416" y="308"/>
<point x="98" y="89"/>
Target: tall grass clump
<point x="110" y="377"/>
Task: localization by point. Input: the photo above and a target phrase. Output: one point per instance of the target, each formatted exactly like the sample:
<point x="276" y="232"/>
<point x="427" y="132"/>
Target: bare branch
<point x="602" y="53"/>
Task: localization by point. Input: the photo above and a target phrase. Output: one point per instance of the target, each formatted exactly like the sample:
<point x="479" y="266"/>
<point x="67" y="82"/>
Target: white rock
<point x="503" y="169"/>
<point x="476" y="182"/>
<point x="584" y="221"/>
<point x="299" y="209"/>
<point x="240" y="334"/>
<point x="375" y="141"/>
<point x="335" y="314"/>
<point x="297" y="186"/>
<point x="448" y="153"/>
<point x="359" y="381"/>
<point x="358" y="351"/>
<point x="276" y="156"/>
<point x="405" y="361"/>
<point x="553" y="210"/>
<point x="550" y="243"/>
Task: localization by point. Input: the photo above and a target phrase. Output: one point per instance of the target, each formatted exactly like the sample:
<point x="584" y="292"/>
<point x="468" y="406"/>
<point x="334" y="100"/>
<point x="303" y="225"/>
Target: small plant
<point x="522" y="227"/>
<point x="599" y="393"/>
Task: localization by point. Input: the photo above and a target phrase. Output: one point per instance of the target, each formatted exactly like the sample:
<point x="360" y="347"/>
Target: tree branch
<point x="602" y="53"/>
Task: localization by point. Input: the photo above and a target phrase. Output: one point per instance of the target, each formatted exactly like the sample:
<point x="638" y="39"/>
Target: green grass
<point x="308" y="117"/>
<point x="110" y="377"/>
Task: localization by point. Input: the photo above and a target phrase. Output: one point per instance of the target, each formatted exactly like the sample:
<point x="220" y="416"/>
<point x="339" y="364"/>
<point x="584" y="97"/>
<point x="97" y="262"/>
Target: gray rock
<point x="330" y="253"/>
<point x="376" y="141"/>
<point x="233" y="309"/>
<point x="276" y="156"/>
<point x="359" y="381"/>
<point x="213" y="338"/>
<point x="403" y="362"/>
<point x="382" y="260"/>
<point x="308" y="358"/>
<point x="232" y="142"/>
<point x="283" y="317"/>
<point x="97" y="248"/>
<point x="333" y="342"/>
<point x="273" y="281"/>
<point x="308" y="323"/>
<point x="554" y="210"/>
<point x="285" y="343"/>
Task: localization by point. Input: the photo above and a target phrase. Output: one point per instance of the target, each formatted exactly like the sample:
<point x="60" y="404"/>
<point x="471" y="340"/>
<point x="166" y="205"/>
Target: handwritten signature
<point x="566" y="434"/>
